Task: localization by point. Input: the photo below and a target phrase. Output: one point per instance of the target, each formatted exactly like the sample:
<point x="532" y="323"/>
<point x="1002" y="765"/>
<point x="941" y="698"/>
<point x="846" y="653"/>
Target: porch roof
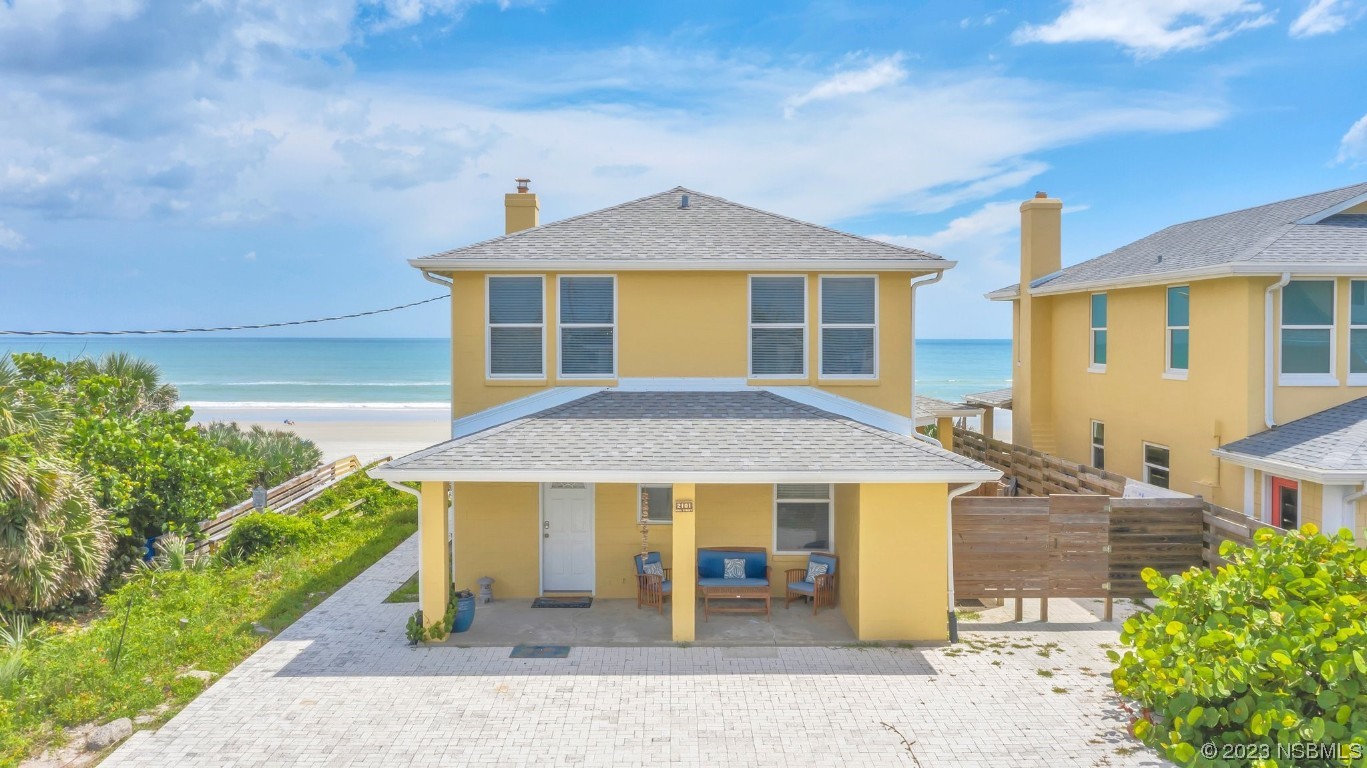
<point x="1328" y="447"/>
<point x="994" y="398"/>
<point x="750" y="436"/>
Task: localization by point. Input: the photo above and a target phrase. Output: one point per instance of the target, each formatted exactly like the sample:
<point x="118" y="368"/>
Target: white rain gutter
<point x="418" y="495"/>
<point x="1353" y="497"/>
<point x="949" y="526"/>
<point x="431" y="278"/>
<point x="917" y="283"/>
<point x="1269" y="385"/>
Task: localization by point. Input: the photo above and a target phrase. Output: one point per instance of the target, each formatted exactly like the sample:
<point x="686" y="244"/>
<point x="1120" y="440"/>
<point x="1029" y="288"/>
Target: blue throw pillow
<point x="816" y="569"/>
<point x="733" y="568"/>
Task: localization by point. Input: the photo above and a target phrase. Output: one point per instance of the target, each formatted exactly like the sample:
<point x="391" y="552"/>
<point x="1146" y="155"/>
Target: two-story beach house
<point x="1224" y="357"/>
<point x="725" y="376"/>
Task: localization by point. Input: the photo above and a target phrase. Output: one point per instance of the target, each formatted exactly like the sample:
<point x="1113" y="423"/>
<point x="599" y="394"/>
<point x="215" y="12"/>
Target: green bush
<point x="276" y="454"/>
<point x="1265" y="657"/>
<point x="262" y="532"/>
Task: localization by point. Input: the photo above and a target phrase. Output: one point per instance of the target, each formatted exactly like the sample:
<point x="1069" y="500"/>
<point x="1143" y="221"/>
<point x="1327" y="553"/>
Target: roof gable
<point x="658" y="231"/>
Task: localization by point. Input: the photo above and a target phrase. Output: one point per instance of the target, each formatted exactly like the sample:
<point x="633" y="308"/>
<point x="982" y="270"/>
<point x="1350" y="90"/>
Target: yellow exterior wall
<point x="901" y="562"/>
<point x="1312" y="504"/>
<point x="847" y="549"/>
<point x="498" y="534"/>
<point x="617" y="529"/>
<point x="661" y="318"/>
<point x="1359" y="208"/>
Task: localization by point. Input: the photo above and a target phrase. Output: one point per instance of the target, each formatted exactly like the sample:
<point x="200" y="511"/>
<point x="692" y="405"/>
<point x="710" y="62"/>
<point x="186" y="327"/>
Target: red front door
<point x="1286" y="505"/>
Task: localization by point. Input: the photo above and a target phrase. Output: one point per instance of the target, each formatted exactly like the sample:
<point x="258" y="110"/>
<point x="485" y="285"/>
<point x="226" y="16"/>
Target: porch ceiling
<point x="712" y="437"/>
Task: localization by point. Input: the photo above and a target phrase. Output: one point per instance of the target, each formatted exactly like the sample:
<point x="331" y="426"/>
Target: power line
<point x="221" y="328"/>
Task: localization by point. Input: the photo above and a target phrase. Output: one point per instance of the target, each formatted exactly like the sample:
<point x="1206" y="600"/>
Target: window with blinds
<point x="802" y="517"/>
<point x="516" y="327"/>
<point x="588" y="318"/>
<point x="778" y="327"/>
<point x="849" y="327"/>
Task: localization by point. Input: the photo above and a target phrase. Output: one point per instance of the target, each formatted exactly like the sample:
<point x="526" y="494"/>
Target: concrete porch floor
<point x="619" y="623"/>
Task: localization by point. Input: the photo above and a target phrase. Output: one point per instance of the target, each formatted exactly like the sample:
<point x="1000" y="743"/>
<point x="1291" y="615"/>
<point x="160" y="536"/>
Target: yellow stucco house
<point x="743" y="378"/>
<point x="1224" y="357"/>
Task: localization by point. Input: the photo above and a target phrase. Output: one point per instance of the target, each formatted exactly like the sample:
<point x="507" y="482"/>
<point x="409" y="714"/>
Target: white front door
<point x="567" y="537"/>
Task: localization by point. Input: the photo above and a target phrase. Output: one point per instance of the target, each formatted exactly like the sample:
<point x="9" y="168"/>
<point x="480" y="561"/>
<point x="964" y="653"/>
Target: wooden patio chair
<point x="651" y="588"/>
<point x="820" y="587"/>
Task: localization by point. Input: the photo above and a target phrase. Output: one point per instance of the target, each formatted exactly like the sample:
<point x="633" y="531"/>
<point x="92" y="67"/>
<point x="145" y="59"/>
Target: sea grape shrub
<point x="262" y="532"/>
<point x="1268" y="650"/>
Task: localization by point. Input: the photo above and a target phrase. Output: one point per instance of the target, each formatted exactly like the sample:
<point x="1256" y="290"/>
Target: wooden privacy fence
<point x="1070" y="545"/>
<point x="281" y="498"/>
<point x="1041" y="474"/>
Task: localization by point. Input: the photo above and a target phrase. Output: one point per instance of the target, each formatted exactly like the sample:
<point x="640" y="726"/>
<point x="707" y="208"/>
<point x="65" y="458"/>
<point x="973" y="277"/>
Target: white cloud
<point x="11" y="240"/>
<point x="1323" y="17"/>
<point x="1150" y="28"/>
<point x="1353" y="145"/>
<point x="880" y="73"/>
<point x="249" y="256"/>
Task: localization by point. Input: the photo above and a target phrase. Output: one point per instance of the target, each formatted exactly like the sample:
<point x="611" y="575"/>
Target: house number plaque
<point x="683" y="505"/>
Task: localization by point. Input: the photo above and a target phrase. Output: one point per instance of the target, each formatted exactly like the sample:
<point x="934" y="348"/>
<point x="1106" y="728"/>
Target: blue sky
<point x="165" y="164"/>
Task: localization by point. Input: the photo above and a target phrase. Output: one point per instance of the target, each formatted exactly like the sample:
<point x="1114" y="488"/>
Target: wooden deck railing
<point x="282" y="498"/>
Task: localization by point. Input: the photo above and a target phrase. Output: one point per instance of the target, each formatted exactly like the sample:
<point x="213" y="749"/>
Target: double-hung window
<point x="1357" y="332"/>
<point x="588" y="333"/>
<point x="778" y="326"/>
<point x="1157" y="460"/>
<point x="1307" y="343"/>
<point x="1098" y="445"/>
<point x="516" y="329"/>
<point x="1179" y="331"/>
<point x="849" y="327"/>
<point x="802" y="518"/>
<point x="657" y="503"/>
<point x="1097" y="361"/>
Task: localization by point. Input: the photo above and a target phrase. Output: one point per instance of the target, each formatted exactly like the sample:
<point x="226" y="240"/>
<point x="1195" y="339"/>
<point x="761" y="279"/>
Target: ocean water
<point x="244" y="374"/>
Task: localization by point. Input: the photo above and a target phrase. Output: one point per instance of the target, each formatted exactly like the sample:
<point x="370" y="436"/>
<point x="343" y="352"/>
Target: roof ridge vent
<point x="683" y="201"/>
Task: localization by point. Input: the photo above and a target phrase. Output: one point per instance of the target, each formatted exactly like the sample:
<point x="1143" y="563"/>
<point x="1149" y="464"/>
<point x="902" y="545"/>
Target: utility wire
<point x="222" y="328"/>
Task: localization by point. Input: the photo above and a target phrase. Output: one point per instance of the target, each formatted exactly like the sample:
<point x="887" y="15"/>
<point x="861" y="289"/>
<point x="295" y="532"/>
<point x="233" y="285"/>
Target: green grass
<point x="406" y="593"/>
<point x="202" y="619"/>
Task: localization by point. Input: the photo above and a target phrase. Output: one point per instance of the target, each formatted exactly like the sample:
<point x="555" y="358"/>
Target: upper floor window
<point x="588" y="318"/>
<point x="1357" y="330"/>
<point x="516" y="332"/>
<point x="1307" y="343"/>
<point x="778" y="326"/>
<point x="1179" y="329"/>
<point x="1098" y="340"/>
<point x="849" y="327"/>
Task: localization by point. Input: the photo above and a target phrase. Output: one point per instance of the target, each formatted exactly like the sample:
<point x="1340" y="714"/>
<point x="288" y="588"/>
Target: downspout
<point x="1269" y="385"/>
<point x="1353" y="497"/>
<point x="917" y="283"/>
<point x="418" y="495"/>
<point x="438" y="279"/>
<point x="949" y="525"/>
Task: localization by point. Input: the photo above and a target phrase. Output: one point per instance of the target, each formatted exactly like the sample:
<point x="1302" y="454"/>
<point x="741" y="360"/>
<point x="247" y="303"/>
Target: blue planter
<point x="149" y="551"/>
<point x="465" y="614"/>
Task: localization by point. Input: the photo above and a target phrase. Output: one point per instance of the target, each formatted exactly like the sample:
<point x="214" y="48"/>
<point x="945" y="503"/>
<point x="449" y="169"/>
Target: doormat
<point x="540" y="652"/>
<point x="562" y="602"/>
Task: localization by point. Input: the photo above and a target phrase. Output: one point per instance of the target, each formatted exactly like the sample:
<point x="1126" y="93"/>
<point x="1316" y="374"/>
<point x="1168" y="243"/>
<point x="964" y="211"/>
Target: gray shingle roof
<point x="996" y="398"/>
<point x="931" y="407"/>
<point x="1331" y="441"/>
<point x="656" y="230"/>
<point x="1265" y="235"/>
<point x="668" y="435"/>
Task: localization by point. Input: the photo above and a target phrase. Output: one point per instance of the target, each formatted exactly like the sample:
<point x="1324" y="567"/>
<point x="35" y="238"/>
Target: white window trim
<point x="1358" y="379"/>
<point x="1092" y="365"/>
<point x="821" y="326"/>
<point x="1176" y="374"/>
<point x="830" y="521"/>
<point x="489" y="333"/>
<point x="1093" y="443"/>
<point x="559" y="326"/>
<point x="750" y="326"/>
<point x="640" y="491"/>
<point x="1329" y="379"/>
<point x="1144" y="459"/>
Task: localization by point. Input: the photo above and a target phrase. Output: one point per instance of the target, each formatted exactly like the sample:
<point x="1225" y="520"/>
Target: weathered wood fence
<point x="281" y="498"/>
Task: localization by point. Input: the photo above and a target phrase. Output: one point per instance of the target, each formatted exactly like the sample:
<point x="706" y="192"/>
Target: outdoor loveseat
<point x="734" y="574"/>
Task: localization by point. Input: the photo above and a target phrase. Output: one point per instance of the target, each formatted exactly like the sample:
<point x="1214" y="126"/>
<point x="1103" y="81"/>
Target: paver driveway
<point x="340" y="687"/>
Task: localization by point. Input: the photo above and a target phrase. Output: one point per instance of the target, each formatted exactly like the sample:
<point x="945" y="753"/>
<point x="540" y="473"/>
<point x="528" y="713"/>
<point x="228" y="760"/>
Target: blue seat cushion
<point x="733" y="582"/>
<point x="664" y="587"/>
<point x="652" y="557"/>
<point x="802" y="586"/>
<point x="712" y="562"/>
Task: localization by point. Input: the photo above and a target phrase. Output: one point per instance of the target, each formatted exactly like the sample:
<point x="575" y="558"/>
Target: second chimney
<point x="521" y="209"/>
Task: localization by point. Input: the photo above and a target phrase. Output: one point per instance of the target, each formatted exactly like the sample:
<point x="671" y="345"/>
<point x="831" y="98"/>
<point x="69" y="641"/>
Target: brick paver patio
<point x="341" y="687"/>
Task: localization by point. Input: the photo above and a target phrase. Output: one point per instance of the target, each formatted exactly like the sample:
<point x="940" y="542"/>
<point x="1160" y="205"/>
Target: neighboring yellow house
<point x="1191" y="359"/>
<point x="744" y="376"/>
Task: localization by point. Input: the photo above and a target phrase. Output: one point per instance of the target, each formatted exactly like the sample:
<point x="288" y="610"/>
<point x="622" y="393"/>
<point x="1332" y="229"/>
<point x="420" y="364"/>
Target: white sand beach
<point x="367" y="433"/>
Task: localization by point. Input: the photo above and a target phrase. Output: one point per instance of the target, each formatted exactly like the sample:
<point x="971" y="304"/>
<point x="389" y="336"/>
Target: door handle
<point x="545" y="535"/>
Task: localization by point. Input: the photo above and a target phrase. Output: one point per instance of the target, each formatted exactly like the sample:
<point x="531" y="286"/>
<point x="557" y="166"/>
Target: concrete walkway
<point x="341" y="687"/>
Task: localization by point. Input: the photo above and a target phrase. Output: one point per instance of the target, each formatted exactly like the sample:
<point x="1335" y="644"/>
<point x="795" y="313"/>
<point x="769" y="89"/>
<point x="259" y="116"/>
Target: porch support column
<point x="944" y="428"/>
<point x="902" y="561"/>
<point x="987" y="421"/>
<point x="683" y="598"/>
<point x="434" y="568"/>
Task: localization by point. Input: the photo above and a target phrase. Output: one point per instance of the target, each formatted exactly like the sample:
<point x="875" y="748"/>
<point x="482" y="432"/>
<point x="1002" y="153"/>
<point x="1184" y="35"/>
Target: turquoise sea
<point x="410" y="374"/>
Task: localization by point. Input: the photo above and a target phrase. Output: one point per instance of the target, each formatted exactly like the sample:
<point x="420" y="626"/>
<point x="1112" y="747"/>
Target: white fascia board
<point x="681" y="384"/>
<point x="1316" y="218"/>
<point x="844" y="406"/>
<point x="713" y="265"/>
<point x="516" y="409"/>
<point x="1242" y="269"/>
<point x="1291" y="471"/>
<point x="964" y="475"/>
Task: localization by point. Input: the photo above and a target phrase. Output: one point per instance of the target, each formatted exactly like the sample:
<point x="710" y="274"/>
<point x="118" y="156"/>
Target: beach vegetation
<point x="273" y="455"/>
<point x="1267" y="652"/>
<point x="262" y="532"/>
